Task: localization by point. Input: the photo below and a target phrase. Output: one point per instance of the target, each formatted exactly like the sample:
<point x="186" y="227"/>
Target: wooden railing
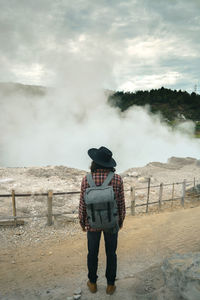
<point x="50" y="194"/>
<point x="160" y="199"/>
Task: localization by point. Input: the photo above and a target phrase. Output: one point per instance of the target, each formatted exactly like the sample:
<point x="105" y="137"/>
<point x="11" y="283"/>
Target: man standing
<point x="102" y="168"/>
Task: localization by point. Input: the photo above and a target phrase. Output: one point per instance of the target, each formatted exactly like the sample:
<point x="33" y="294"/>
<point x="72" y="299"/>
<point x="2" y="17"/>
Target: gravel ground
<point x="54" y="268"/>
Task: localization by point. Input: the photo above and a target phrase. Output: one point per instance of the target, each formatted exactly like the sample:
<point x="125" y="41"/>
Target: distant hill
<point x="172" y="104"/>
<point x="10" y="88"/>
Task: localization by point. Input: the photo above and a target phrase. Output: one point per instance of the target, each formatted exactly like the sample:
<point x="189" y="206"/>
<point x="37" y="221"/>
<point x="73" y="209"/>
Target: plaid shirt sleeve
<point x="121" y="203"/>
<point x="82" y="206"/>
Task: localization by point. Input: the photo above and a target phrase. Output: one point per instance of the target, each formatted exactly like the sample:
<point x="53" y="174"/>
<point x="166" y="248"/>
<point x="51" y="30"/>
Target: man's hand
<point x="83" y="229"/>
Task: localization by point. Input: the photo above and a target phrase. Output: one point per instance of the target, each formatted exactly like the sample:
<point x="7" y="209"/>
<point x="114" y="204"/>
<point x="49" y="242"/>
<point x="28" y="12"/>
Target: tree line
<point x="172" y="104"/>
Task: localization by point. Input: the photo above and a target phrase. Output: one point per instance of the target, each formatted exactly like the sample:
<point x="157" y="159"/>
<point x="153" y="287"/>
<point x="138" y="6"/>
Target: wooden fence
<point x="160" y="199"/>
<point x="49" y="213"/>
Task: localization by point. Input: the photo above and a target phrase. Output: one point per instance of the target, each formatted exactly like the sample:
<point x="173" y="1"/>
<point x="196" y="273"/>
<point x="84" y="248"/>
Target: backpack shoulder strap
<point x="90" y="180"/>
<point x="108" y="179"/>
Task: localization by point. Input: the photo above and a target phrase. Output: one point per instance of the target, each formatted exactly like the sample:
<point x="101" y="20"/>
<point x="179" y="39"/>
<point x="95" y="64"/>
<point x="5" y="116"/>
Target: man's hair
<point x="94" y="167"/>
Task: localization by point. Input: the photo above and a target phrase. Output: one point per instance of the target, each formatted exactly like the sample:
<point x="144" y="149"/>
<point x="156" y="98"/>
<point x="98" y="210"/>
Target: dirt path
<point x="52" y="270"/>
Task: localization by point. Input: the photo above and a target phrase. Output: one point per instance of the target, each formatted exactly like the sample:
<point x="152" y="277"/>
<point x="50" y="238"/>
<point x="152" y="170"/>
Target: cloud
<point x="151" y="81"/>
<point x="140" y="38"/>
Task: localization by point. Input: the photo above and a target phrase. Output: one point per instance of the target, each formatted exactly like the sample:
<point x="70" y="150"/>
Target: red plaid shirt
<point x="99" y="176"/>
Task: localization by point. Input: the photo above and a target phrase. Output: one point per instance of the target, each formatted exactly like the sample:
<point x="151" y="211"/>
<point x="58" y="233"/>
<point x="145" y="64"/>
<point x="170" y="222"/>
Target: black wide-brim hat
<point x="102" y="156"/>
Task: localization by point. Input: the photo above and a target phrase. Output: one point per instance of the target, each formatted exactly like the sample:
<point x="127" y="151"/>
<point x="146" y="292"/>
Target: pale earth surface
<point x="41" y="262"/>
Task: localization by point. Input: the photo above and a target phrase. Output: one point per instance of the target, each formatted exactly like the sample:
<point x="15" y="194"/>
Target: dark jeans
<point x="93" y="251"/>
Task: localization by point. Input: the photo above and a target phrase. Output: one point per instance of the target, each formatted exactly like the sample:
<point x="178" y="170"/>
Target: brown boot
<point x="110" y="289"/>
<point x="92" y="287"/>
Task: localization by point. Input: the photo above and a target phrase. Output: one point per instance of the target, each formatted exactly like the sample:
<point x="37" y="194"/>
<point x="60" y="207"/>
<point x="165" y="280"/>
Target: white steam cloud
<point x="59" y="128"/>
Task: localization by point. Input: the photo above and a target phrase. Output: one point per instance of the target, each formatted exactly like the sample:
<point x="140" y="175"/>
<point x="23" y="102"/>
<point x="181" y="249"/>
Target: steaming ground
<point x="57" y="127"/>
<point x="41" y="262"/>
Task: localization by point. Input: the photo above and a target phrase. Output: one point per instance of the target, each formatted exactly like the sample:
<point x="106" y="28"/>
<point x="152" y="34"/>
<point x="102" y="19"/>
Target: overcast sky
<point x="140" y="44"/>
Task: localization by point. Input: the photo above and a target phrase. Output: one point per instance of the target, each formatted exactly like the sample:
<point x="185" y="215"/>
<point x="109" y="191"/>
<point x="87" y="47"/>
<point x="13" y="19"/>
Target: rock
<point x="18" y="233"/>
<point x="78" y="291"/>
<point x="70" y="298"/>
<point x="76" y="297"/>
<point x="143" y="179"/>
<point x="182" y="275"/>
<point x="132" y="174"/>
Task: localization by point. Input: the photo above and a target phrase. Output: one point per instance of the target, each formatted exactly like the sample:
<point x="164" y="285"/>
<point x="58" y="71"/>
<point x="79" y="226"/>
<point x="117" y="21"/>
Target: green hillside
<point x="172" y="104"/>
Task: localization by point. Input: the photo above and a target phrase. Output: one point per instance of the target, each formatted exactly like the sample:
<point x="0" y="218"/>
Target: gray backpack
<point x="101" y="205"/>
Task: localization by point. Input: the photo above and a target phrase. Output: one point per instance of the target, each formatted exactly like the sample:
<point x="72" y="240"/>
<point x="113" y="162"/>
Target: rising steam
<point x="59" y="128"/>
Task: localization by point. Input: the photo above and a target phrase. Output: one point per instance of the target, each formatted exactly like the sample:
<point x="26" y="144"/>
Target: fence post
<point x="172" y="195"/>
<point x="14" y="207"/>
<point x="160" y="195"/>
<point x="183" y="193"/>
<point x="49" y="207"/>
<point x="132" y="201"/>
<point x="148" y="192"/>
<point x="194" y="182"/>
